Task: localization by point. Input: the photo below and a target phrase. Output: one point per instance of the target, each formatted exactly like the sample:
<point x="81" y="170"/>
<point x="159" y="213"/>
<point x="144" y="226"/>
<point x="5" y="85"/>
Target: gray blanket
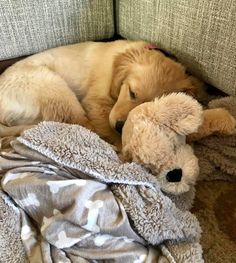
<point x="79" y="203"/>
<point x="216" y="153"/>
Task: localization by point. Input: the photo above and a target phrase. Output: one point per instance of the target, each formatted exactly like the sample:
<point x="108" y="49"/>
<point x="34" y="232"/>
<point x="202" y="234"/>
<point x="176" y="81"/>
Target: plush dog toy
<point x="154" y="135"/>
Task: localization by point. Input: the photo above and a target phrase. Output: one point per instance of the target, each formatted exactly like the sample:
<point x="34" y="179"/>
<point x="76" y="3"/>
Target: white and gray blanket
<point x="76" y="202"/>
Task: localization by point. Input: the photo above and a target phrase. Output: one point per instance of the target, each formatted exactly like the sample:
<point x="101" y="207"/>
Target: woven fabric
<point x="202" y="34"/>
<point x="30" y="26"/>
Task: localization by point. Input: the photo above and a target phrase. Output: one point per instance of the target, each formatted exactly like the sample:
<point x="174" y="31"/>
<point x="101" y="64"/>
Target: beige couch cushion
<point x="202" y="34"/>
<point x="29" y="26"/>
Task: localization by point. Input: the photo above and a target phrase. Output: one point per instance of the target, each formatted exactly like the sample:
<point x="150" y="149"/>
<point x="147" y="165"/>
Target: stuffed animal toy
<point x="154" y="135"/>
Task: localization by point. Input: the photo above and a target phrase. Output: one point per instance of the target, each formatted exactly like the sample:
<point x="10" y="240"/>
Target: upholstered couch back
<point x="30" y="26"/>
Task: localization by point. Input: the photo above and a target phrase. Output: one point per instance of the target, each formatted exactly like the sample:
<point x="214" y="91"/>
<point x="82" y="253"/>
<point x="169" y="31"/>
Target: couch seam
<point x="115" y="17"/>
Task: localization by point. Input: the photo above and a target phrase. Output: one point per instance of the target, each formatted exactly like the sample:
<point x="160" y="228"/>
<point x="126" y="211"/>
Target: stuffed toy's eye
<point x="132" y="94"/>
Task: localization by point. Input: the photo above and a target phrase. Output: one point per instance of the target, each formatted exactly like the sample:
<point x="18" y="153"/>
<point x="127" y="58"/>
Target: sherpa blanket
<point x="80" y="203"/>
<point x="217" y="153"/>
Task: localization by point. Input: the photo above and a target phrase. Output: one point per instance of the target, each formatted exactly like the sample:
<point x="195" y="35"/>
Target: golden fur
<point x="215" y="121"/>
<point x="92" y="84"/>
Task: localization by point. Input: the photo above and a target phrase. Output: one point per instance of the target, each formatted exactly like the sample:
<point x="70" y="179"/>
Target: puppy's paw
<point x="223" y="122"/>
<point x="215" y="121"/>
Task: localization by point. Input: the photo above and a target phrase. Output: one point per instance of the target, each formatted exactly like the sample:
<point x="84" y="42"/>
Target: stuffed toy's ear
<point x="179" y="112"/>
<point x="132" y="136"/>
<point x="144" y="142"/>
<point x="137" y="138"/>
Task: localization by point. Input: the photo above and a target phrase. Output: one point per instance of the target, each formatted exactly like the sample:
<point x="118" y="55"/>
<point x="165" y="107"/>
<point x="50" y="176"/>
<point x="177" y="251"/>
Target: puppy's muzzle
<point x="119" y="126"/>
<point x="174" y="175"/>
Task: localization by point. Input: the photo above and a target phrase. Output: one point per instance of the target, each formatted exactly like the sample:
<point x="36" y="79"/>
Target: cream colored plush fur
<point x="154" y="136"/>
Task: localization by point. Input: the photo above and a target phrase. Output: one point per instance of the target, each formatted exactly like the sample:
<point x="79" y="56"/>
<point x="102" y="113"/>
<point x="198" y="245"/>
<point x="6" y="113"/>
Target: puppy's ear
<point x="196" y="89"/>
<point x="120" y="72"/>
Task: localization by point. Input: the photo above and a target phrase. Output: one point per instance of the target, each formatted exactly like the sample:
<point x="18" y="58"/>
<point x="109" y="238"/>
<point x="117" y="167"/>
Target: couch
<point x="202" y="34"/>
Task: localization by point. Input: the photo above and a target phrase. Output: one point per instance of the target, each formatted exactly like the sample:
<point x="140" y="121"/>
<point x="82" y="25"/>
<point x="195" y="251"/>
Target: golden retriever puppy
<point x="93" y="84"/>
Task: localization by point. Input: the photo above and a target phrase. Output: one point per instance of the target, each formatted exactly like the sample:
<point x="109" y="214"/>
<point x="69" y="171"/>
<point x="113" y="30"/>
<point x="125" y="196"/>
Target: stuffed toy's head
<point x="154" y="136"/>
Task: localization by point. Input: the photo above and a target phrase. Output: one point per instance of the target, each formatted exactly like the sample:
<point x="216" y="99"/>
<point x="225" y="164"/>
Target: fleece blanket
<point x="80" y="203"/>
<point x="217" y="153"/>
<point x="76" y="202"/>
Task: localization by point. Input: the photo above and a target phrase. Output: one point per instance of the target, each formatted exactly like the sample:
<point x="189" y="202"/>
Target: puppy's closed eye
<point x="132" y="94"/>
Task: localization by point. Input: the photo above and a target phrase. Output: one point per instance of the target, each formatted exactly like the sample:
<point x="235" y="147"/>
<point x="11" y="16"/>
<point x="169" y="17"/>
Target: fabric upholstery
<point x="29" y="26"/>
<point x="202" y="34"/>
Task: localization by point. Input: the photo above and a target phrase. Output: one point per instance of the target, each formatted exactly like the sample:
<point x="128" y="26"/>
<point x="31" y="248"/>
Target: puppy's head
<point x="140" y="75"/>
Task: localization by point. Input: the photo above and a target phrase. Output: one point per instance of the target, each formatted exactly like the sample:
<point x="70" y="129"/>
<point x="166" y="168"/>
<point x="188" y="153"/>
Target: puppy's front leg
<point x="98" y="110"/>
<point x="218" y="121"/>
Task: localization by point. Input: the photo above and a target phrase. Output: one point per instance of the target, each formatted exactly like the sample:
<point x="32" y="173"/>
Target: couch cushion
<point x="202" y="34"/>
<point x="29" y="26"/>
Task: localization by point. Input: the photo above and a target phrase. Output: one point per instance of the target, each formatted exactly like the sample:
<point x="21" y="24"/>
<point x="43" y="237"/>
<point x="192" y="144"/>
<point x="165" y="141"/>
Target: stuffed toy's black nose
<point x="174" y="175"/>
<point x="119" y="126"/>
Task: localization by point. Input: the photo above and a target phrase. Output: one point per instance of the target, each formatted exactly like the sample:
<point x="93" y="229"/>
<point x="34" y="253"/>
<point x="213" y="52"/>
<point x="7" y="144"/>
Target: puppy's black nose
<point x="119" y="126"/>
<point x="174" y="175"/>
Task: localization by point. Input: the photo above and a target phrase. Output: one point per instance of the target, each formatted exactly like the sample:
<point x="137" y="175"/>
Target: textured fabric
<point x="215" y="201"/>
<point x="217" y="153"/>
<point x="214" y="207"/>
<point x="85" y="158"/>
<point x="11" y="246"/>
<point x="72" y="214"/>
<point x="202" y="34"/>
<point x="30" y="26"/>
